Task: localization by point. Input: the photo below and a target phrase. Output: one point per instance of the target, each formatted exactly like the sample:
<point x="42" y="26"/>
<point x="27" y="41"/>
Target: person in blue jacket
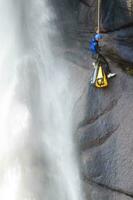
<point x="95" y="50"/>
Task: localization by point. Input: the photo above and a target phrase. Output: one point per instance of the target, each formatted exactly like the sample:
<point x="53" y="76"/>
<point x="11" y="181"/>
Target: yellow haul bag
<point x="101" y="78"/>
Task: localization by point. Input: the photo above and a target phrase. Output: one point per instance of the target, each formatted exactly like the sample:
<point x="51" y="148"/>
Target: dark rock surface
<point x="105" y="117"/>
<point x="105" y="136"/>
<point x="116" y="22"/>
<point x="95" y="191"/>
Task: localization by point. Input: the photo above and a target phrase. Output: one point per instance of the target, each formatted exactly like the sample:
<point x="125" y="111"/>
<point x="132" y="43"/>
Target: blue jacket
<point x="93" y="47"/>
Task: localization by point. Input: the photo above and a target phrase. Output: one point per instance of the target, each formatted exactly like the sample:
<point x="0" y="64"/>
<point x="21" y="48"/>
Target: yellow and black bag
<point x="101" y="78"/>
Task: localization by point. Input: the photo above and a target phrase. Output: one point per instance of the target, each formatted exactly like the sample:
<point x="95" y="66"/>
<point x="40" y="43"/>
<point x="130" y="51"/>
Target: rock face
<point x="116" y="21"/>
<point x="105" y="135"/>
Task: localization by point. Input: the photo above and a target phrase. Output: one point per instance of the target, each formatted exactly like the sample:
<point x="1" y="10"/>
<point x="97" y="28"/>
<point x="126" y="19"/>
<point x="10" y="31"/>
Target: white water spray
<point x="37" y="154"/>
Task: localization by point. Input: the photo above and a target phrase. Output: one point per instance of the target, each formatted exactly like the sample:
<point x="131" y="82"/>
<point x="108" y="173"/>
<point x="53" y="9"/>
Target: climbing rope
<point x="99" y="2"/>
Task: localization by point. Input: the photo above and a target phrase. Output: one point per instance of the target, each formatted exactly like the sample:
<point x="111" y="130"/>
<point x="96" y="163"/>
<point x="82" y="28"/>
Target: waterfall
<point x="38" y="160"/>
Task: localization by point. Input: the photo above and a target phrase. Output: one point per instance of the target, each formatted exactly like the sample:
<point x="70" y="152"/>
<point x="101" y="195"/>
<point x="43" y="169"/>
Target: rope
<point x="99" y="2"/>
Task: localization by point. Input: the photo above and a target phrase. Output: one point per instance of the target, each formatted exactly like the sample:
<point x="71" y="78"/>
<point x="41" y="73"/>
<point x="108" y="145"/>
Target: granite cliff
<point x="105" y="117"/>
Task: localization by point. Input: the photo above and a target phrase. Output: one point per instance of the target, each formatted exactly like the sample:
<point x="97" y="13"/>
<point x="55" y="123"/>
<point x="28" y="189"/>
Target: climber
<point x="95" y="50"/>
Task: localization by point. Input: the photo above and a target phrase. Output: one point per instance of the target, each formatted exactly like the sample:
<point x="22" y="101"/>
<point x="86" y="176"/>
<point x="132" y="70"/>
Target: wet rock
<point x="105" y="135"/>
<point x="105" y="117"/>
<point x="116" y="14"/>
<point x="116" y="22"/>
<point x="100" y="192"/>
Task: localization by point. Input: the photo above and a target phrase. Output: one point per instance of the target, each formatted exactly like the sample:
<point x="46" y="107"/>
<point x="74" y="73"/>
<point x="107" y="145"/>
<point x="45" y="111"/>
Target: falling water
<point x="37" y="154"/>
